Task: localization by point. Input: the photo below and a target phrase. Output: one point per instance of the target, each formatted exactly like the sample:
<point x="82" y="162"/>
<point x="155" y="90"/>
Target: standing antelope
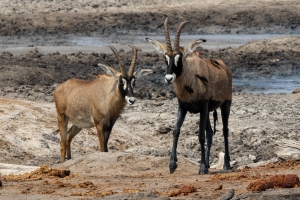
<point x="201" y="86"/>
<point x="96" y="103"/>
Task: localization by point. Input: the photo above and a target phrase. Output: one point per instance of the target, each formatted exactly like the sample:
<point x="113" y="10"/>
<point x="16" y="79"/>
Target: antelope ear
<point x="159" y="47"/>
<point x="110" y="70"/>
<point x="142" y="72"/>
<point x="192" y="46"/>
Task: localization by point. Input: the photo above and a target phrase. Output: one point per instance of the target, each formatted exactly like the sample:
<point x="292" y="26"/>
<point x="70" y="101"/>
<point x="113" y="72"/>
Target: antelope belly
<point x="83" y="122"/>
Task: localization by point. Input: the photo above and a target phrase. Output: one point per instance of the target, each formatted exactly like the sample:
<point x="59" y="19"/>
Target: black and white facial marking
<point x="174" y="66"/>
<point x="126" y="88"/>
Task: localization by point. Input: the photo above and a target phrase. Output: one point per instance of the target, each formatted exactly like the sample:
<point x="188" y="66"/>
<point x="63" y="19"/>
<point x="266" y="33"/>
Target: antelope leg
<point x="180" y="118"/>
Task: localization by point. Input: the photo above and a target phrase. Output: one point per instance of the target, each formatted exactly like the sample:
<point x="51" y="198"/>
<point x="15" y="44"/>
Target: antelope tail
<point x="215" y="114"/>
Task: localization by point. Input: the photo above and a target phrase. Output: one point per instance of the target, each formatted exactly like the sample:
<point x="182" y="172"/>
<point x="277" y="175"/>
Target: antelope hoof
<point x="203" y="169"/>
<point x="172" y="167"/>
<point x="227" y="167"/>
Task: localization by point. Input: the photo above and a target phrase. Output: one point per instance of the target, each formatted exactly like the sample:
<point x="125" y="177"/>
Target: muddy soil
<point x="146" y="17"/>
<point x="263" y="128"/>
<point x="34" y="75"/>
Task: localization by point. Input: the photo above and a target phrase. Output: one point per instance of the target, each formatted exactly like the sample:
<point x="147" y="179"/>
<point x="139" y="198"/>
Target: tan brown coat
<point x="219" y="80"/>
<point x="97" y="103"/>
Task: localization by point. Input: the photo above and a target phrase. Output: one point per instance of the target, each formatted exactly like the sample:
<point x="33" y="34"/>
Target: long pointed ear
<point x="142" y="72"/>
<point x="192" y="46"/>
<point x="160" y="48"/>
<point x="110" y="70"/>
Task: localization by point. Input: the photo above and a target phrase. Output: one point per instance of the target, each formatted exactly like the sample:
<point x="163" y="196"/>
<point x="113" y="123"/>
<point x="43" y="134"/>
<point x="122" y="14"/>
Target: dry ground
<point x="139" y="148"/>
<point x="126" y="176"/>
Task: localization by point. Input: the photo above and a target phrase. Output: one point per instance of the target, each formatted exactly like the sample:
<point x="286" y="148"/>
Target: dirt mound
<point x="238" y="176"/>
<point x="38" y="174"/>
<point x="277" y="181"/>
<point x="120" y="164"/>
<point x="183" y="191"/>
<point x="276" y="57"/>
<point x="259" y="179"/>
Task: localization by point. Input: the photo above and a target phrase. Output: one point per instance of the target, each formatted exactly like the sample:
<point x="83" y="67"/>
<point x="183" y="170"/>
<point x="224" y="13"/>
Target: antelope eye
<point x="168" y="59"/>
<point x="124" y="83"/>
<point x="176" y="58"/>
<point x="133" y="83"/>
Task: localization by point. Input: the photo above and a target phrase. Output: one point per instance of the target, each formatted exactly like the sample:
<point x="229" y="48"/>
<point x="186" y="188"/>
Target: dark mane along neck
<point x="192" y="82"/>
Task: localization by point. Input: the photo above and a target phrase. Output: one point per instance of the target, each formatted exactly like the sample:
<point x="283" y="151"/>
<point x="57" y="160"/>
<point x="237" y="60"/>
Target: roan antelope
<point x="201" y="86"/>
<point x="97" y="103"/>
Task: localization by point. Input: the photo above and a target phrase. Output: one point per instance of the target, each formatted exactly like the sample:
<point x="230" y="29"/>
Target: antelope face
<point x="174" y="66"/>
<point x="126" y="88"/>
<point x="173" y="56"/>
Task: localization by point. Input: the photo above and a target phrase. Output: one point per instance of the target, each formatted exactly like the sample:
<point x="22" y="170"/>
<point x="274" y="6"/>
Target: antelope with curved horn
<point x="97" y="103"/>
<point x="201" y="86"/>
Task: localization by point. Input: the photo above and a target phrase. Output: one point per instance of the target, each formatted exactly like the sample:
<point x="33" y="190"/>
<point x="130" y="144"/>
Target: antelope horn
<point x="167" y="35"/>
<point x="177" y="36"/>
<point x="132" y="65"/>
<point x="122" y="67"/>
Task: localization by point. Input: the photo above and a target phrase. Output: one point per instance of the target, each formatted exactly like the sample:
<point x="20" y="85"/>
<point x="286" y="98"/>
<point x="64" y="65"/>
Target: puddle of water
<point x="213" y="41"/>
<point x="89" y="41"/>
<point x="268" y="85"/>
<point x="70" y="43"/>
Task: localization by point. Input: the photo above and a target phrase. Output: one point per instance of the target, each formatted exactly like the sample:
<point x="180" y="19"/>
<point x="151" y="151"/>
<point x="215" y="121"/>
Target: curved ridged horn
<point x="167" y="35"/>
<point x="132" y="65"/>
<point x="122" y="67"/>
<point x="177" y="36"/>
